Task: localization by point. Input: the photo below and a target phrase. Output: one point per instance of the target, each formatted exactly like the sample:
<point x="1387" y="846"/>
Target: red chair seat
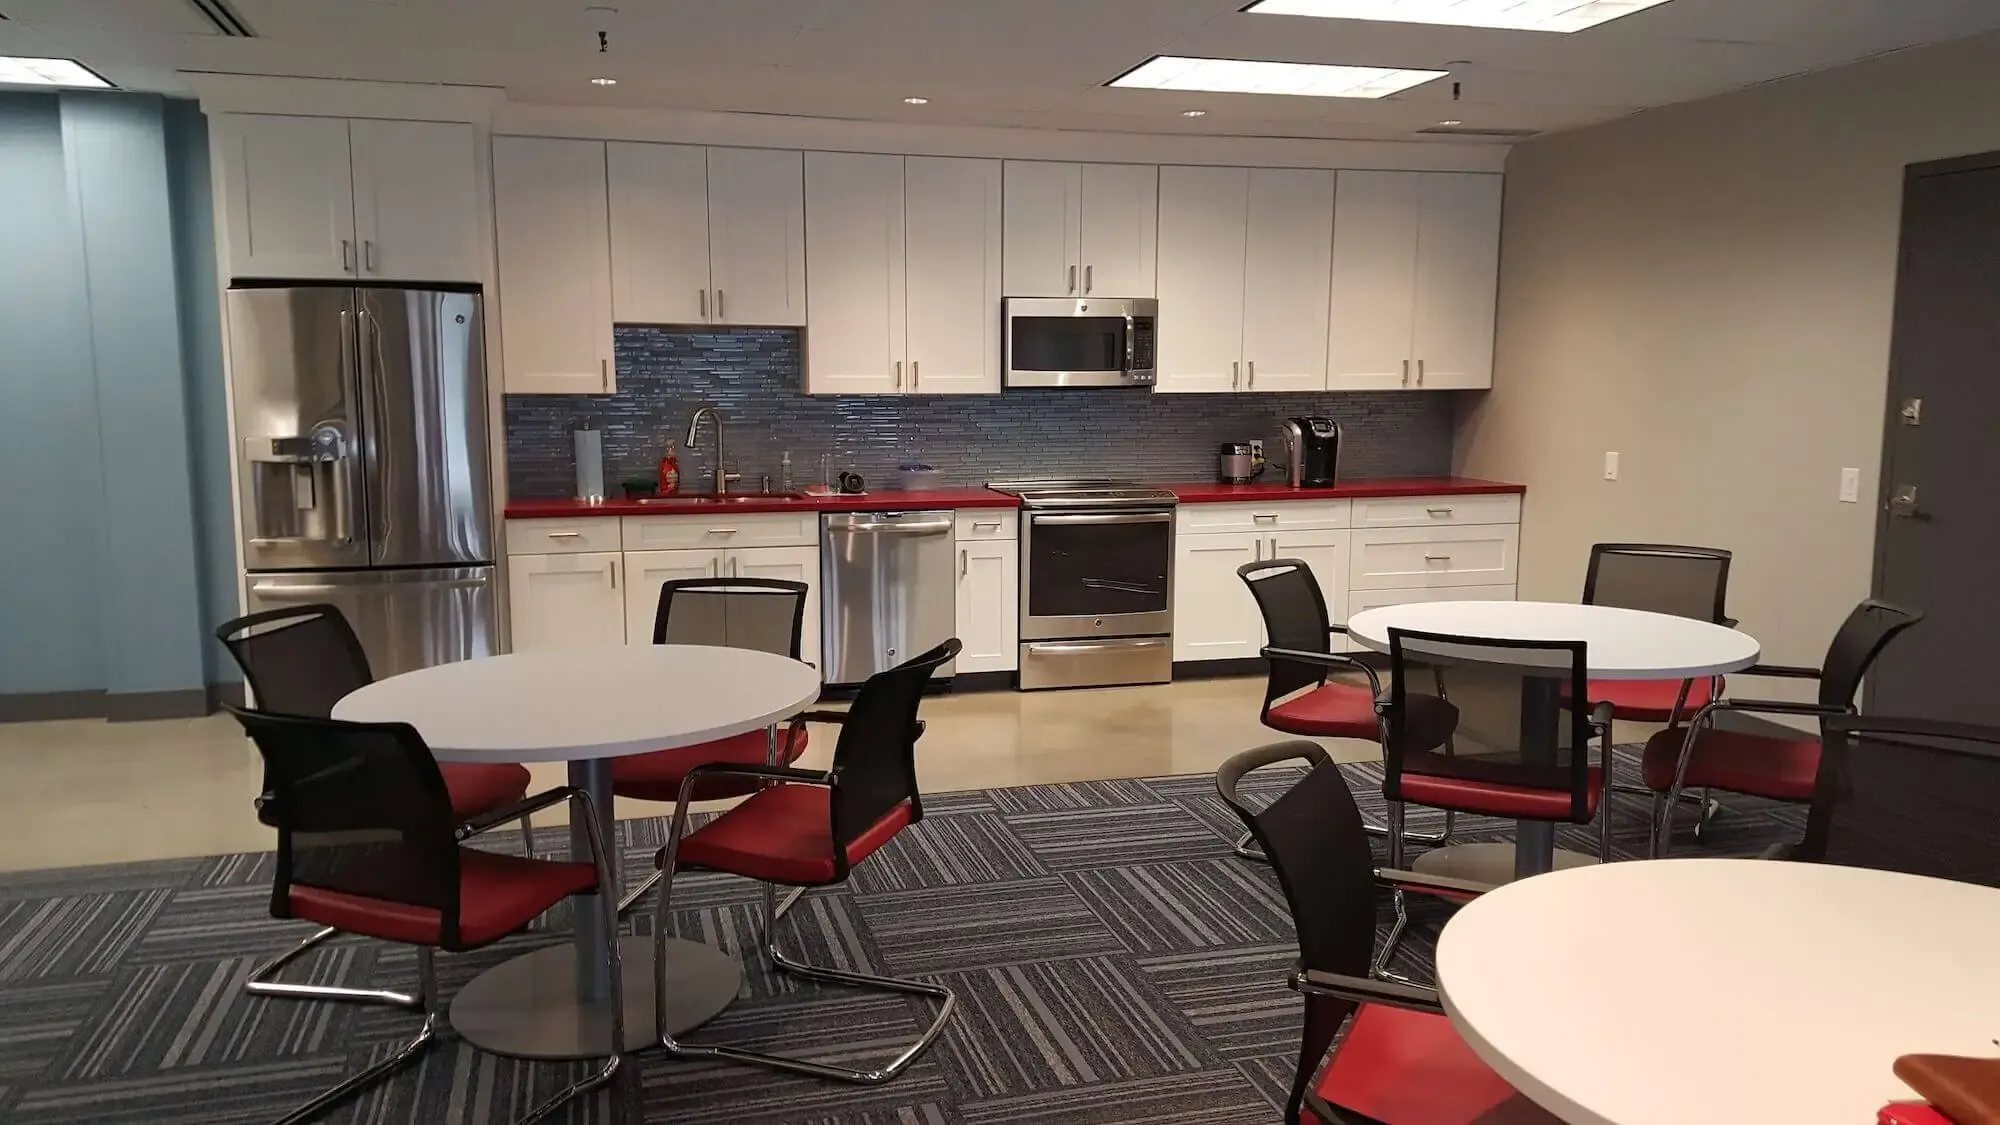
<point x="498" y="894"/>
<point x="1493" y="798"/>
<point x="657" y="776"/>
<point x="479" y="789"/>
<point x="1411" y="1067"/>
<point x="1333" y="711"/>
<point x="783" y="834"/>
<point x="1783" y="769"/>
<point x="1912" y="1114"/>
<point x="1651" y="701"/>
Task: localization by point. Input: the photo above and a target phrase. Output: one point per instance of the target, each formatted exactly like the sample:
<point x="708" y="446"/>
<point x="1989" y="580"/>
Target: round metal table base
<point x="527" y="1008"/>
<point x="1487" y="863"/>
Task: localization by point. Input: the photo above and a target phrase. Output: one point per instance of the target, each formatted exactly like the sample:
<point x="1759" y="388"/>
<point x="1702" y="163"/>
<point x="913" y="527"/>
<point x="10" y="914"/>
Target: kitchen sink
<point x="699" y="500"/>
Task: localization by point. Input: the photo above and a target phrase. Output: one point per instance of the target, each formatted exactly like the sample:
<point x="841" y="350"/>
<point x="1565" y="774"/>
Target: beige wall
<point x="1708" y="290"/>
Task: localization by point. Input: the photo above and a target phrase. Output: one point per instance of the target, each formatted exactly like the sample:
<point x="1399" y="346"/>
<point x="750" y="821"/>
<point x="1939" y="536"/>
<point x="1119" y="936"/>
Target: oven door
<point x="1097" y="574"/>
<point x="1084" y="342"/>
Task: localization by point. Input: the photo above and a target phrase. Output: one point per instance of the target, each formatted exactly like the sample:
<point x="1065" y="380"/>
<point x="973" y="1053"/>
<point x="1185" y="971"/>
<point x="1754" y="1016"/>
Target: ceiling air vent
<point x="1470" y="131"/>
<point x="224" y="19"/>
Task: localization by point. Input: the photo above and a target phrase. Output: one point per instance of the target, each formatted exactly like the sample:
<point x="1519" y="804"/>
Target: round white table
<point x="587" y="707"/>
<point x="1622" y="644"/>
<point x="1670" y="991"/>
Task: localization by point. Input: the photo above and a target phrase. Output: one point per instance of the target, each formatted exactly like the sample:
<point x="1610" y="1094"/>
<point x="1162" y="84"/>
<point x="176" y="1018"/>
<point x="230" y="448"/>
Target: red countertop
<point x="1357" y="490"/>
<point x="888" y="501"/>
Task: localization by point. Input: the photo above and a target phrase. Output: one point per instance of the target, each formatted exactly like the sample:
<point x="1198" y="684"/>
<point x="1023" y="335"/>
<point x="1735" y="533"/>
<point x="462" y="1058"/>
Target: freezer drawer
<point x="888" y="591"/>
<point x="407" y="619"/>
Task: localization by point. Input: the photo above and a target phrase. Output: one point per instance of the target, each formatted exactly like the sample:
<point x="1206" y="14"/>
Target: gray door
<point x="294" y="377"/>
<point x="423" y="375"/>
<point x="406" y="619"/>
<point x="1939" y="535"/>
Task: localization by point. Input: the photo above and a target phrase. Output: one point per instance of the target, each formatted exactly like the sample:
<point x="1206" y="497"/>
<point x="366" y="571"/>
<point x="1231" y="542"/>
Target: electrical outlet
<point x="1850" y="486"/>
<point x="1610" y="466"/>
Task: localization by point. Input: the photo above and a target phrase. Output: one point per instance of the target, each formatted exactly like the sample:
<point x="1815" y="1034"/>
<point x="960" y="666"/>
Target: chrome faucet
<point x="720" y="476"/>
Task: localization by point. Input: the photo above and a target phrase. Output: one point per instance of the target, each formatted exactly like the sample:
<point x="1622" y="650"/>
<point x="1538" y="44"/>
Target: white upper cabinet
<point x="855" y="273"/>
<point x="707" y="235"/>
<point x="288" y="198"/>
<point x="952" y="270"/>
<point x="1373" y="311"/>
<point x="659" y="233"/>
<point x="1415" y="271"/>
<point x="1458" y="267"/>
<point x="1081" y="229"/>
<point x="550" y="210"/>
<point x="1119" y="229"/>
<point x="1286" y="274"/>
<point x="416" y="201"/>
<point x="328" y="198"/>
<point x="1202" y="240"/>
<point x="756" y="236"/>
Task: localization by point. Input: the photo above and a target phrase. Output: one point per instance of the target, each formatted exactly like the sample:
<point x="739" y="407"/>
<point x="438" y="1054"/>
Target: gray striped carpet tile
<point x="1114" y="963"/>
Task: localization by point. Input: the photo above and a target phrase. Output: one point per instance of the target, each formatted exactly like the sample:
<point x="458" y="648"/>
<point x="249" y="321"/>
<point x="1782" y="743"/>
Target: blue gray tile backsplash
<point x="752" y="375"/>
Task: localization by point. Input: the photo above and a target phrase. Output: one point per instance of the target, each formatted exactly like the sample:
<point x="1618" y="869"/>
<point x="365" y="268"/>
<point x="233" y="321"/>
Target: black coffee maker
<point x="1312" y="451"/>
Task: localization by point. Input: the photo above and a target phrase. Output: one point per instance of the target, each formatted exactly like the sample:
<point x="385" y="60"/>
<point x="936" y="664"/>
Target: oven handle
<point x="1077" y="648"/>
<point x="1100" y="520"/>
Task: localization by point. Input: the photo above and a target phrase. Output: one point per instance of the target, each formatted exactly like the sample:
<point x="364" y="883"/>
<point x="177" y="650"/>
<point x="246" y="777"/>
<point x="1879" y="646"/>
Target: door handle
<point x="347" y="255"/>
<point x="284" y="591"/>
<point x="1439" y="511"/>
<point x="611" y="568"/>
<point x="720" y="313"/>
<point x="735" y="563"/>
<point x="1072" y="279"/>
<point x="916" y="375"/>
<point x="1437" y="558"/>
<point x="565" y="534"/>
<point x="1235" y="374"/>
<point x="704" y="303"/>
<point x="1265" y="517"/>
<point x="1420" y="373"/>
<point x="899" y="374"/>
<point x="368" y="254"/>
<point x="1087" y="271"/>
<point x="715" y="567"/>
<point x="1406" y="372"/>
<point x="604" y="375"/>
<point x="964" y="563"/>
<point x="1253" y="374"/>
<point x="1903" y="503"/>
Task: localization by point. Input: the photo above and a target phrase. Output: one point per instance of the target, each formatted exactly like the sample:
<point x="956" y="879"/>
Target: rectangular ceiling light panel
<point x="18" y="71"/>
<point x="1248" y="76"/>
<point x="1524" y="15"/>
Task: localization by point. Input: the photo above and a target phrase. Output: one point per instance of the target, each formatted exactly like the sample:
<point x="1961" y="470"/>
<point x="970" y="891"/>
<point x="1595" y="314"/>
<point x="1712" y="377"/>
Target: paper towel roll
<point x="589" y="446"/>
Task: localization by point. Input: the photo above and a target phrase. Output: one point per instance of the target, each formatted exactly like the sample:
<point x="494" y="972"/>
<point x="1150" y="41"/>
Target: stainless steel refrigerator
<point x="361" y="414"/>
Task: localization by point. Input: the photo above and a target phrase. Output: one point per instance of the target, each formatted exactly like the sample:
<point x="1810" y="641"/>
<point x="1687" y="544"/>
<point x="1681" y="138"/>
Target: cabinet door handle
<point x="1257" y="547"/>
<point x="704" y="303"/>
<point x="715" y="567"/>
<point x="1274" y="547"/>
<point x="347" y="255"/>
<point x="604" y="375"/>
<point x="1072" y="279"/>
<point x="1420" y="373"/>
<point x="1406" y="372"/>
<point x="1087" y="272"/>
<point x="1235" y="375"/>
<point x="916" y="375"/>
<point x="964" y="563"/>
<point x="368" y="254"/>
<point x="611" y="568"/>
<point x="1253" y="374"/>
<point x="721" y="312"/>
<point x="899" y="374"/>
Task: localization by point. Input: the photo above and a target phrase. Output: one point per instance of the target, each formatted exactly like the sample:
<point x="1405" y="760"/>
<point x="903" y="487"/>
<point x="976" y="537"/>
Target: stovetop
<point x="1084" y="493"/>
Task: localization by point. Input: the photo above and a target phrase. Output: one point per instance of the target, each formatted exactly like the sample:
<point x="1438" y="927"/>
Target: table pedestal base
<point x="1486" y="863"/>
<point x="527" y="1008"/>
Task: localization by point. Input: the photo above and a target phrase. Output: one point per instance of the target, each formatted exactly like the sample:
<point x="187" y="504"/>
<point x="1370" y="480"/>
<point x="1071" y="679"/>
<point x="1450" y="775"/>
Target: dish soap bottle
<point x="785" y="472"/>
<point x="669" y="480"/>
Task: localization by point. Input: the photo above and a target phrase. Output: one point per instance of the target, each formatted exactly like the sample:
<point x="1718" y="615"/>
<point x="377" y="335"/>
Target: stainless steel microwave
<point x="1080" y="341"/>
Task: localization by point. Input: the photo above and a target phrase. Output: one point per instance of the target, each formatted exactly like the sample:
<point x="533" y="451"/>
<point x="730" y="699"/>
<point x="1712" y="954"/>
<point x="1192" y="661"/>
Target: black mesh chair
<point x="1908" y="795"/>
<point x="806" y="829"/>
<point x="1300" y="658"/>
<point x="1777" y="767"/>
<point x="1690" y="582"/>
<point x="301" y="660"/>
<point x="1399" y="1059"/>
<point x="368" y="844"/>
<point x="765" y="614"/>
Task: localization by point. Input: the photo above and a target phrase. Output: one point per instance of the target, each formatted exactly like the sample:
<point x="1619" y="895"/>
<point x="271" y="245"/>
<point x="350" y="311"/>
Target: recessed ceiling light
<point x="1525" y="15"/>
<point x="1194" y="113"/>
<point x="1450" y="121"/>
<point x="604" y="82"/>
<point x="19" y="71"/>
<point x="916" y="101"/>
<point x="1249" y="76"/>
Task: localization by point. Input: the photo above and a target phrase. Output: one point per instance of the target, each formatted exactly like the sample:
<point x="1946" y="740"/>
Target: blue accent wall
<point x="110" y="387"/>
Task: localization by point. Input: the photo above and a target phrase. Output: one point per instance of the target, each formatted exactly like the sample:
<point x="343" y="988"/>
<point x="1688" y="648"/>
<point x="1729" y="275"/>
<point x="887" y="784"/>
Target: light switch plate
<point x="1610" y="466"/>
<point x="1850" y="486"/>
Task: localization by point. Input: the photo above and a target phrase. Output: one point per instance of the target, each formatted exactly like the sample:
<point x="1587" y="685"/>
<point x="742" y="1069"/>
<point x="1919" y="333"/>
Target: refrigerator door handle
<point x="374" y="368"/>
<point x="301" y="591"/>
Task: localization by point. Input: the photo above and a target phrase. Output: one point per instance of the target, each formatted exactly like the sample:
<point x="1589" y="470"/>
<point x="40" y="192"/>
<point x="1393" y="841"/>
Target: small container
<point x="668" y="481"/>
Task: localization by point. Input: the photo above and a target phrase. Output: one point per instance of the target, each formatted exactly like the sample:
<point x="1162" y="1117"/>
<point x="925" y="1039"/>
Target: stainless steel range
<point x="1097" y="582"/>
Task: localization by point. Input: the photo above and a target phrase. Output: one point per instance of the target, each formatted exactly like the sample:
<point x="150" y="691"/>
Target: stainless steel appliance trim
<point x="1106" y="518"/>
<point x="842" y="525"/>
<point x="1096" y="663"/>
<point x="1058" y="627"/>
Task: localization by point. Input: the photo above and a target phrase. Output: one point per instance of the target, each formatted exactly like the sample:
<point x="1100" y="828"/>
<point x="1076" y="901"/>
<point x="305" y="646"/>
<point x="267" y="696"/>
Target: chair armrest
<point x="1600" y="716"/>
<point x="1729" y="623"/>
<point x="834" y="718"/>
<point x="1333" y="661"/>
<point x="1337" y="630"/>
<point x="1776" y="707"/>
<point x="1237" y="765"/>
<point x="1366" y="990"/>
<point x="1442" y="885"/>
<point x="768" y="773"/>
<point x="526" y="806"/>
<point x="1783" y="671"/>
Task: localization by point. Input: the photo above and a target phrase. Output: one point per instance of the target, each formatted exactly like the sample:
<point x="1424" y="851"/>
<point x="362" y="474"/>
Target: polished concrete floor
<point x="93" y="792"/>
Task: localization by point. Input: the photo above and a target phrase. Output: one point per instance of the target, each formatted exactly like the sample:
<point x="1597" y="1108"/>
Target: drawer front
<point x="1436" y="511"/>
<point x="987" y="523"/>
<point x="562" y="537"/>
<point x="1278" y="515"/>
<point x="722" y="529"/>
<point x="1422" y="557"/>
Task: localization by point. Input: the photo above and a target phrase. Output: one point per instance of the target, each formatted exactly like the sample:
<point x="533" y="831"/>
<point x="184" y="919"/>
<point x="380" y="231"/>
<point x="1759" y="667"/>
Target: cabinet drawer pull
<point x="1439" y="511"/>
<point x="1265" y="517"/>
<point x="994" y="524"/>
<point x="565" y="534"/>
<point x="722" y="531"/>
<point x="1437" y="558"/>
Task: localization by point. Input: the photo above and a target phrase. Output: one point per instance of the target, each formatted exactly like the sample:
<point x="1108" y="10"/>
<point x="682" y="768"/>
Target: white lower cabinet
<point x="989" y="614"/>
<point x="566" y="600"/>
<point x="1215" y="618"/>
<point x="788" y="564"/>
<point x="649" y="570"/>
<point x="1326" y="553"/>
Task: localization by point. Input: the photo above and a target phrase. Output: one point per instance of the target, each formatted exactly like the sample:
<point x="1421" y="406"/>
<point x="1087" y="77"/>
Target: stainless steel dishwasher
<point x="888" y="590"/>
